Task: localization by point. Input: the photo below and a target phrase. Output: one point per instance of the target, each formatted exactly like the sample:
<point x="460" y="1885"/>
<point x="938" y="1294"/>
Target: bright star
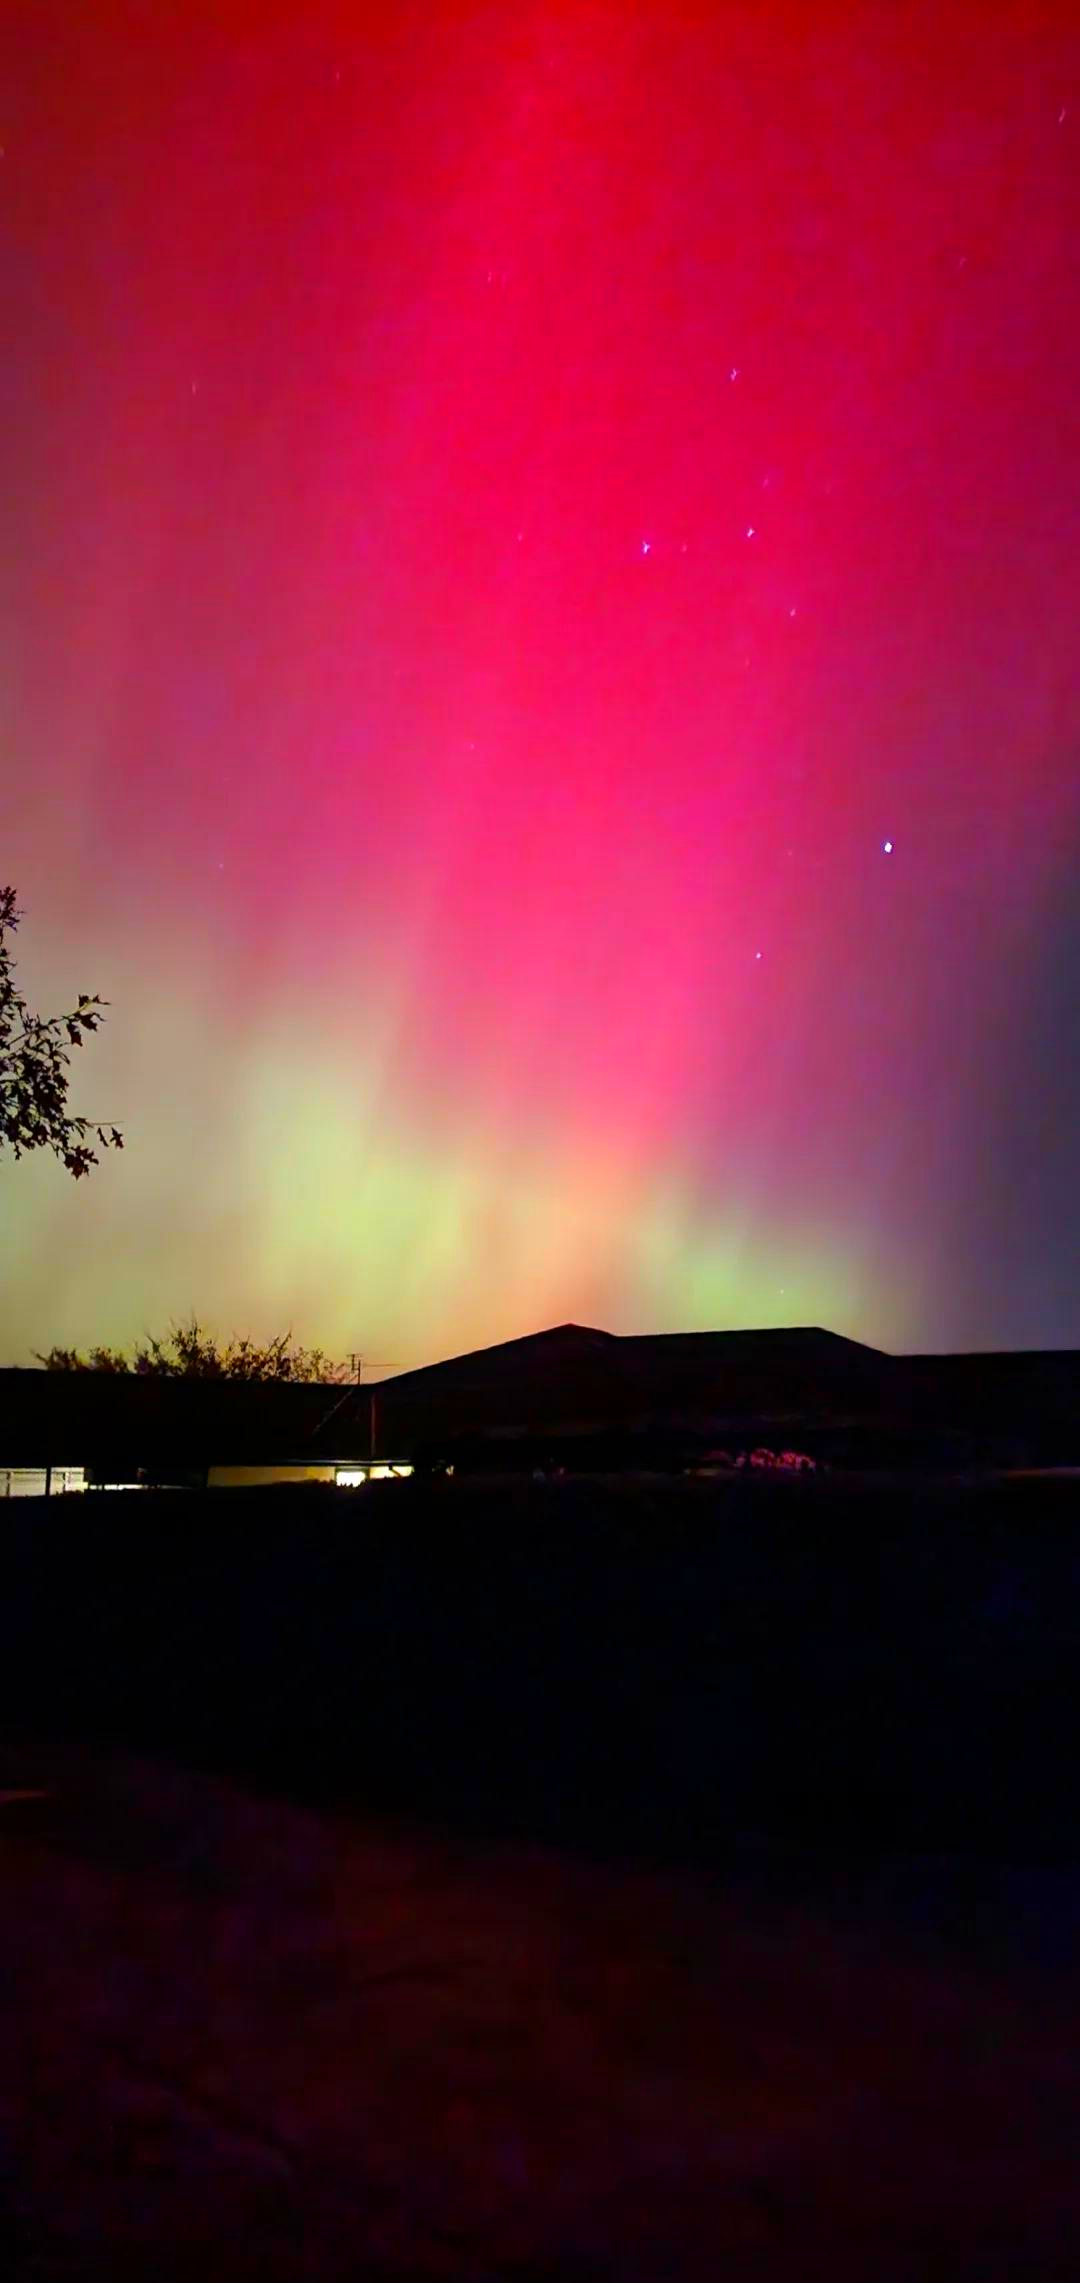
<point x="887" y="847"/>
<point x="750" y="532"/>
<point x="646" y="546"/>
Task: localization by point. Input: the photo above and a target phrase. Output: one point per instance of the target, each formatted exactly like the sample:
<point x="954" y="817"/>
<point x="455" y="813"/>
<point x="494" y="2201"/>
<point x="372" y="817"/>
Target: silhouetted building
<point x="571" y="1396"/>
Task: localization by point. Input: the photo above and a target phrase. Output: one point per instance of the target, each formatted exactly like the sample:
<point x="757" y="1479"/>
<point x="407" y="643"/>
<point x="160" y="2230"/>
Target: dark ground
<point x="585" y="1882"/>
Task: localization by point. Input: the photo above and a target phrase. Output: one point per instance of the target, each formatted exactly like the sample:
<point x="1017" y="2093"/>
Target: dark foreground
<point x="245" y="2042"/>
<point x="673" y="1883"/>
<point x="654" y="1669"/>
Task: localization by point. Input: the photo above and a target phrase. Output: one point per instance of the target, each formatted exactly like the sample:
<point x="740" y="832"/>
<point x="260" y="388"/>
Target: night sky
<point x="539" y="666"/>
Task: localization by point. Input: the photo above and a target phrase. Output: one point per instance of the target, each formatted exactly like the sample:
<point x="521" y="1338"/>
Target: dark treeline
<point x="660" y="1668"/>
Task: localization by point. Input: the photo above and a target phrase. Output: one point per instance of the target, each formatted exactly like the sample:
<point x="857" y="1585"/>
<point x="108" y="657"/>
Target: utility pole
<point x="357" y="1363"/>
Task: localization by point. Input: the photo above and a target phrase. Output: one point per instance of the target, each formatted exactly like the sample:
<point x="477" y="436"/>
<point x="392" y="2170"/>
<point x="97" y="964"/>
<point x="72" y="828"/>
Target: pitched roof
<point x="566" y="1379"/>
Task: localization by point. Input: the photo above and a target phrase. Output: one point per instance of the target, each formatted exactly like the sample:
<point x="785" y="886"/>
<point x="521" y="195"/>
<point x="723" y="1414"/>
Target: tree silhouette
<point x="34" y="1059"/>
<point x="188" y="1351"/>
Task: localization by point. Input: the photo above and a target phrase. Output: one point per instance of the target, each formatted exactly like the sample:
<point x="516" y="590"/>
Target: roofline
<point x="988" y="1355"/>
<point x="758" y="1332"/>
<point x="493" y="1347"/>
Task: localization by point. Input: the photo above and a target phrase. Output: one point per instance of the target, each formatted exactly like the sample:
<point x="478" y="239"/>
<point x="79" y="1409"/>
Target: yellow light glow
<point x="352" y="1478"/>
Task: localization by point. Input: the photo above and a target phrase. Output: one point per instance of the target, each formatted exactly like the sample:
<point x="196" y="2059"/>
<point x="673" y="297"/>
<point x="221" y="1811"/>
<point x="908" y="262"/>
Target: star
<point x="750" y="531"/>
<point x="734" y="373"/>
<point x="646" y="546"/>
<point x="886" y="847"/>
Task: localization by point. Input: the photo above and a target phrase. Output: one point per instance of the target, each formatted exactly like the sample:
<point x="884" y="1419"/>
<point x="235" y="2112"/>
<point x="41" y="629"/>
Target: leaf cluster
<point x="35" y="1057"/>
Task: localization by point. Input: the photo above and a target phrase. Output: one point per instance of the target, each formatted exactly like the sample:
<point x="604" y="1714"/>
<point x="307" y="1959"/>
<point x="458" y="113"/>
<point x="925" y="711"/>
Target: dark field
<point x="850" y="1662"/>
<point x="632" y="1883"/>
